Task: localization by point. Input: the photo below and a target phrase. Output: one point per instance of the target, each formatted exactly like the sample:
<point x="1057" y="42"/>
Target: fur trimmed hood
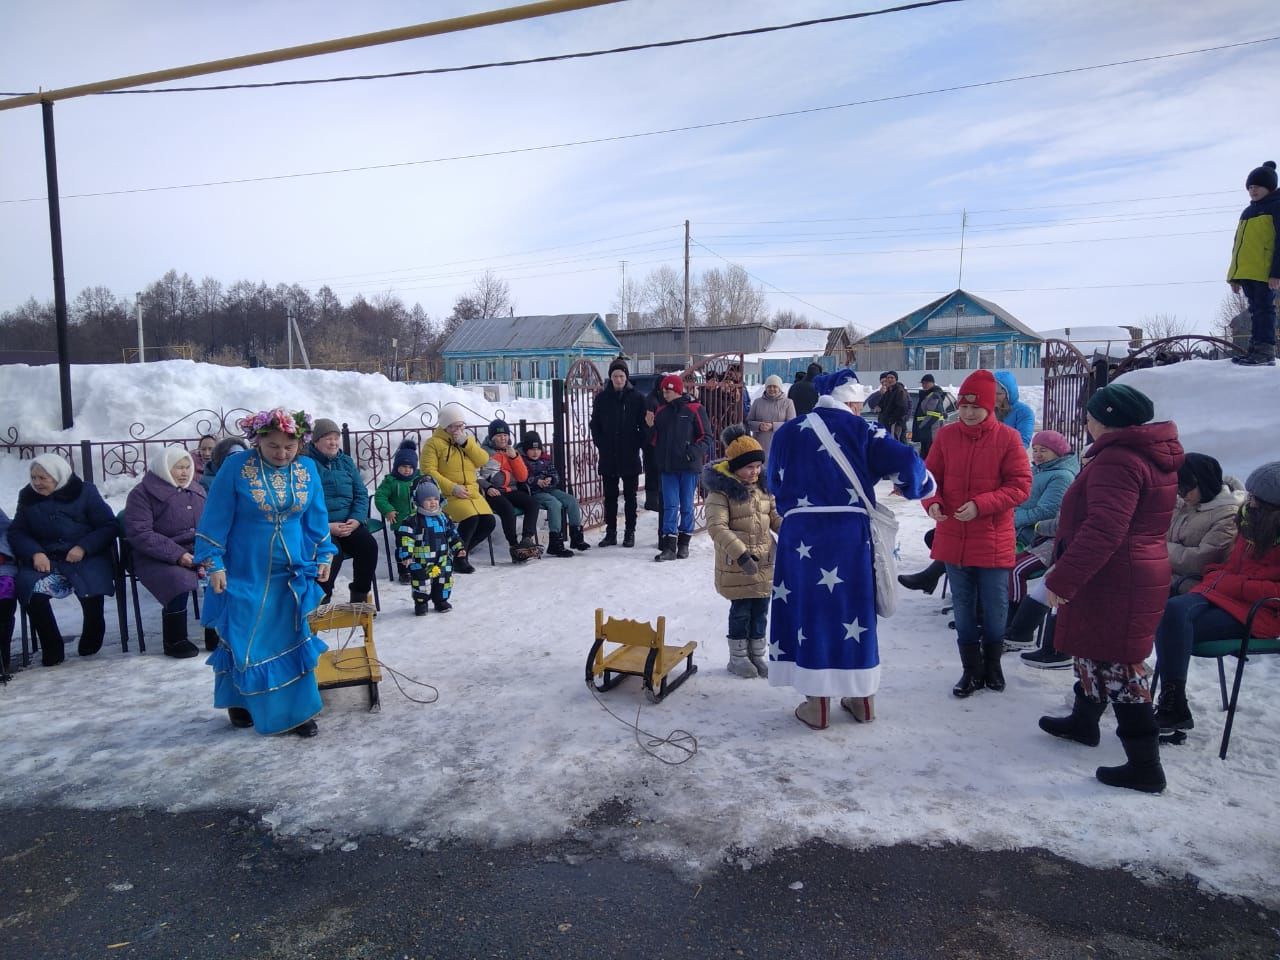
<point x="717" y="478"/>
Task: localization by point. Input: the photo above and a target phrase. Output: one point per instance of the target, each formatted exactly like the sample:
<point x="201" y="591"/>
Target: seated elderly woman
<point x="348" y="502"/>
<point x="221" y="450"/>
<point x="1203" y="530"/>
<point x="160" y="520"/>
<point x="61" y="537"/>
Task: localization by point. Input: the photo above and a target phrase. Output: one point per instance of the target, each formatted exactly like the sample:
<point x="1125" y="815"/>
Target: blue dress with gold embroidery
<point x="268" y="528"/>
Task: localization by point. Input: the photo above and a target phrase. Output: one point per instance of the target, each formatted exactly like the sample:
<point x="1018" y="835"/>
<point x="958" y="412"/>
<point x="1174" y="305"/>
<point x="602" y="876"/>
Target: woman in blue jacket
<point x="348" y="502"/>
<point x="61" y="537"/>
<point x="1011" y="411"/>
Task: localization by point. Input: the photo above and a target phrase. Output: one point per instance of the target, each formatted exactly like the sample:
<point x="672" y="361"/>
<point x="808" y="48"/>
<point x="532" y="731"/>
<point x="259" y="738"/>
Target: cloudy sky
<point x="1098" y="196"/>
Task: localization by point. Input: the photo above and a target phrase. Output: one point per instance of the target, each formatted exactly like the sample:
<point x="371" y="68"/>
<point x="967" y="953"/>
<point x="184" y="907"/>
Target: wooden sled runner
<point x="641" y="653"/>
<point x="355" y="665"/>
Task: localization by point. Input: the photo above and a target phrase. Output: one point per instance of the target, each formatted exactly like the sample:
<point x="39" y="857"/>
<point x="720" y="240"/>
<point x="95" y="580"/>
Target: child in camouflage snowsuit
<point x="427" y="541"/>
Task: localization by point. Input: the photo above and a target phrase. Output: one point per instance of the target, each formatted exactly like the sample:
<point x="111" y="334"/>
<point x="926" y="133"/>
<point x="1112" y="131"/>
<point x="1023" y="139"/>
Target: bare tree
<point x="728" y="297"/>
<point x="662" y="297"/>
<point x="1232" y="305"/>
<point x="626" y="301"/>
<point x="789" y="319"/>
<point x="1161" y="326"/>
<point x="492" y="295"/>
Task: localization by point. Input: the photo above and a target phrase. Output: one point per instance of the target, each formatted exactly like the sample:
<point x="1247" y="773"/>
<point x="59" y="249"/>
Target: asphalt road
<point x="140" y="884"/>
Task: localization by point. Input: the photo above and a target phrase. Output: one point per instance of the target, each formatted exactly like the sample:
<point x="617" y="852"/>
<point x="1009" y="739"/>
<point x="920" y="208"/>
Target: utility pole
<point x="688" y="351"/>
<point x="142" y="355"/>
<point x="59" y="278"/>
<point x="288" y="333"/>
<point x="624" y="304"/>
<point x="964" y="222"/>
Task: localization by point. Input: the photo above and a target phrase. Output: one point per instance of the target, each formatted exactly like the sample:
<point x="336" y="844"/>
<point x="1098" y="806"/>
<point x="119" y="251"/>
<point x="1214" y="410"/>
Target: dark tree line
<point x="246" y="323"/>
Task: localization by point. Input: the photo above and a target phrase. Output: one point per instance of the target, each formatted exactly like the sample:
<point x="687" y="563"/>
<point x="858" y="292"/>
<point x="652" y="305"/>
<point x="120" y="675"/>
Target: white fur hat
<point x="851" y="392"/>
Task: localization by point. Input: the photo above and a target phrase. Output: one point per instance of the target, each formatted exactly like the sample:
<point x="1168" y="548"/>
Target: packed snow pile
<point x="517" y="748"/>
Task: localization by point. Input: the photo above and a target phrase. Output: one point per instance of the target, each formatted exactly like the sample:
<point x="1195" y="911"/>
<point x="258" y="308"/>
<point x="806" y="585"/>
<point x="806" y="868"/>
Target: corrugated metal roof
<point x="915" y="318"/>
<point x="495" y="334"/>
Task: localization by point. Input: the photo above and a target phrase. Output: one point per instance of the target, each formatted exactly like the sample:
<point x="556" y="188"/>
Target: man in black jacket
<point x="894" y="407"/>
<point x="681" y="439"/>
<point x="930" y="414"/>
<point x="618" y="431"/>
<point x="803" y="393"/>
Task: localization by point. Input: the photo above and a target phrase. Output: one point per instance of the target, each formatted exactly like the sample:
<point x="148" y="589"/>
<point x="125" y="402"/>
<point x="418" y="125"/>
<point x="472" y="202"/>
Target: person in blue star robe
<point x="822" y="615"/>
<point x="264" y="540"/>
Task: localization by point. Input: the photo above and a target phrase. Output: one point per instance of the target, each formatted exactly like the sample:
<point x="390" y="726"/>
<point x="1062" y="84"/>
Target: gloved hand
<point x="749" y="564"/>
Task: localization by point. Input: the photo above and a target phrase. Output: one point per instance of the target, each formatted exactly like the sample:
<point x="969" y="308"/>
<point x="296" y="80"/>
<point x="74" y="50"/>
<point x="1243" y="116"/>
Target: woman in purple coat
<point x="160" y="520"/>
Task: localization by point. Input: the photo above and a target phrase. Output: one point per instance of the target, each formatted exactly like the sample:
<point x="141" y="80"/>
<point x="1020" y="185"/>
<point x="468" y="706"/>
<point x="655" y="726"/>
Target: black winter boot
<point x="576" y="540"/>
<point x="239" y="717"/>
<point x="7" y="618"/>
<point x="926" y="580"/>
<point x="1048" y="657"/>
<point x="463" y="565"/>
<point x="610" y="538"/>
<point x="667" y="549"/>
<point x="682" y="546"/>
<point x="629" y="538"/>
<point x="1020" y="634"/>
<point x="1172" y="712"/>
<point x="556" y="547"/>
<point x="1082" y="725"/>
<point x="210" y="639"/>
<point x="1137" y="730"/>
<point x="94" y="628"/>
<point x="974" y="676"/>
<point x="174" y="631"/>
<point x="45" y="625"/>
<point x="991" y="653"/>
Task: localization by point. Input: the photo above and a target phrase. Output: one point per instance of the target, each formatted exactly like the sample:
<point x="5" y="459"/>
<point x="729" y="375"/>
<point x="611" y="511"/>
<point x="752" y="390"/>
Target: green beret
<point x="1117" y="405"/>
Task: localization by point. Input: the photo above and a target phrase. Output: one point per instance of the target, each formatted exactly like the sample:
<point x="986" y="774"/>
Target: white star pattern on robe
<point x="854" y="631"/>
<point x="803" y="502"/>
<point x="803" y="550"/>
<point x="782" y="473"/>
<point x="853" y="496"/>
<point x="804" y="424"/>
<point x="800" y="636"/>
<point x="829" y="579"/>
<point x="780" y="592"/>
<point x="775" y="651"/>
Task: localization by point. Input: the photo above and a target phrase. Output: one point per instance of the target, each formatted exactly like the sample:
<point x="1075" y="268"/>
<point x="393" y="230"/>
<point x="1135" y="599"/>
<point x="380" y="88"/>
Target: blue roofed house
<point x="954" y="334"/>
<point x="519" y="349"/>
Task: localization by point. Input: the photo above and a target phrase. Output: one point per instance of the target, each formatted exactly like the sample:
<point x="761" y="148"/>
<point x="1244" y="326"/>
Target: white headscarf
<point x="165" y="459"/>
<point x="54" y="466"/>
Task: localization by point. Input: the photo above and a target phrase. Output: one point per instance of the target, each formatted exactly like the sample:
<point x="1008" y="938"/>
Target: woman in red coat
<point x="1111" y="578"/>
<point x="1218" y="606"/>
<point x="982" y="472"/>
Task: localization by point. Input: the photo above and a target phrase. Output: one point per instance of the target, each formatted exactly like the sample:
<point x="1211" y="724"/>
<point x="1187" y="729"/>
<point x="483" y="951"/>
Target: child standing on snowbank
<point x="1255" y="263"/>
<point x="427" y="543"/>
<point x="741" y="518"/>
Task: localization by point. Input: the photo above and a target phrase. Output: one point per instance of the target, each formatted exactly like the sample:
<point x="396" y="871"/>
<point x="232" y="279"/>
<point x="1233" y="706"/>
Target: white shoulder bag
<point x="884" y="525"/>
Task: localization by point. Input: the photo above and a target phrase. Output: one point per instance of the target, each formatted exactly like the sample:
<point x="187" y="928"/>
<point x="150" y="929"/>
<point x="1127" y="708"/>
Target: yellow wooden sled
<point x="354" y="665"/>
<point x="641" y="653"/>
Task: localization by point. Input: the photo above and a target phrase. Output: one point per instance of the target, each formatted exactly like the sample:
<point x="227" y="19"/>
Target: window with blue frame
<point x="457" y="371"/>
<point x="491" y="369"/>
<point x="535" y="370"/>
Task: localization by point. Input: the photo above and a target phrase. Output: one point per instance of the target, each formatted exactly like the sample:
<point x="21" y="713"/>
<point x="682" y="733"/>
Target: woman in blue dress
<point x="264" y="541"/>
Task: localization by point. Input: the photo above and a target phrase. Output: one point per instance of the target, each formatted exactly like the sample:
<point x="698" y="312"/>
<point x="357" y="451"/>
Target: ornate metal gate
<point x="577" y="457"/>
<point x="720" y="390"/>
<point x="1160" y="353"/>
<point x="1069" y="380"/>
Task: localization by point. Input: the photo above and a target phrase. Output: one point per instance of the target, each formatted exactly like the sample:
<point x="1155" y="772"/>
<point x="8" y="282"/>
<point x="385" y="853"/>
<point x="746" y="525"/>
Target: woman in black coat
<point x="61" y="537"/>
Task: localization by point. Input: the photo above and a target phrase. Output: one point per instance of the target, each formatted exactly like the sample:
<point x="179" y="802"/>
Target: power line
<point x="786" y="293"/>
<point x="652" y="133"/>
<point x="553" y="58"/>
<point x="988" y="290"/>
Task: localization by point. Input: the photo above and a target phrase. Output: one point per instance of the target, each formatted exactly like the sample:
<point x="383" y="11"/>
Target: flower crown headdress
<point x="296" y="424"/>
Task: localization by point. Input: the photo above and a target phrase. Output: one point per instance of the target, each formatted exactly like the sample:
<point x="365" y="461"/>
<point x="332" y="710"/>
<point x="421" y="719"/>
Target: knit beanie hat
<point x="498" y="426"/>
<point x="1199" y="471"/>
<point x="1263" y="176"/>
<point x="740" y="447"/>
<point x="323" y="427"/>
<point x="531" y="438"/>
<point x="982" y="384"/>
<point x="450" y="414"/>
<point x="406" y="454"/>
<point x="1118" y="405"/>
<point x="889" y="373"/>
<point x="1263" y="483"/>
<point x="54" y="466"/>
<point x="223" y="449"/>
<point x="927" y="378"/>
<point x="1052" y="440"/>
<point x="773" y="380"/>
<point x="673" y="381"/>
<point x="619" y="364"/>
<point x="424" y="490"/>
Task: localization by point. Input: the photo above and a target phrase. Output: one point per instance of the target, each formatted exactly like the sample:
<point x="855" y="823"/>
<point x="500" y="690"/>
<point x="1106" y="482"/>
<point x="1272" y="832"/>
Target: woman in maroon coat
<point x="160" y="520"/>
<point x="1111" y="577"/>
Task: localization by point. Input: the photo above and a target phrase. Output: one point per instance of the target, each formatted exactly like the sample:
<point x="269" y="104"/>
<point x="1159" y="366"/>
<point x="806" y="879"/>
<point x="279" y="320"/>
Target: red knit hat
<point x="673" y="381"/>
<point x="981" y="384"/>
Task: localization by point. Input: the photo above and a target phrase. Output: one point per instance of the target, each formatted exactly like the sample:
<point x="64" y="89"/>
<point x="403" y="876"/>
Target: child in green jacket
<point x="394" y="496"/>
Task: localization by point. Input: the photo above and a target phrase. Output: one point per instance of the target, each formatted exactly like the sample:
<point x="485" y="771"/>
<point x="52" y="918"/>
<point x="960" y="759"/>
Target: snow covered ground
<point x="518" y="749"/>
